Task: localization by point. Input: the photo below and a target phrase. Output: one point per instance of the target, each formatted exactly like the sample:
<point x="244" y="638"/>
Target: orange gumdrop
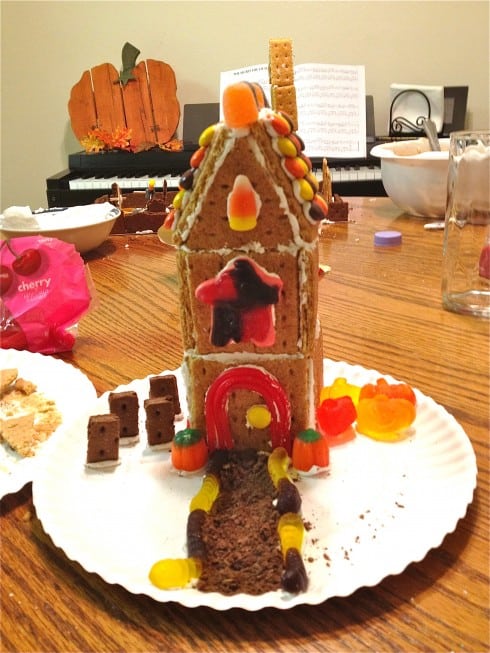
<point x="241" y="104"/>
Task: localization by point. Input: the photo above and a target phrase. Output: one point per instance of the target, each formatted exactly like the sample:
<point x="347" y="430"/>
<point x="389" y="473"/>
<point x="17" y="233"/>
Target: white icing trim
<point x="191" y="218"/>
<point x="240" y="357"/>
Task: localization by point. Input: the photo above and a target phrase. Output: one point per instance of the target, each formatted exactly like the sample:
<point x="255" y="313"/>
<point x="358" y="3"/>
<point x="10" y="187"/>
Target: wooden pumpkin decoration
<point x="141" y="101"/>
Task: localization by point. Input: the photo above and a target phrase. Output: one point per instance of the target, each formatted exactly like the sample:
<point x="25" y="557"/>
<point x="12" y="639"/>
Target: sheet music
<point x="331" y="104"/>
<point x="258" y="73"/>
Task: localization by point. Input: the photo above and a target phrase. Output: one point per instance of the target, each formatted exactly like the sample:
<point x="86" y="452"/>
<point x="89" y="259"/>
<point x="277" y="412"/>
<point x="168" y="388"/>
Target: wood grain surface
<point x="380" y="308"/>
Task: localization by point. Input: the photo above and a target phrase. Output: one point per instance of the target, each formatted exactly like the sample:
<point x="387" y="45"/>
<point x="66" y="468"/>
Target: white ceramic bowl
<point x="414" y="177"/>
<point x="86" y="227"/>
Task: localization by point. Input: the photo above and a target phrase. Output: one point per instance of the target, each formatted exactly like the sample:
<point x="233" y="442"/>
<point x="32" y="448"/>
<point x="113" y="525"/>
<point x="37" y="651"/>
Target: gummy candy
<point x="392" y="390"/>
<point x="241" y="104"/>
<point x="278" y="465"/>
<point x="242" y="295"/>
<point x="174" y="573"/>
<point x="385" y="418"/>
<point x="340" y="388"/>
<point x="291" y="531"/>
<point x="206" y="496"/>
<point x="310" y="449"/>
<point x="334" y="416"/>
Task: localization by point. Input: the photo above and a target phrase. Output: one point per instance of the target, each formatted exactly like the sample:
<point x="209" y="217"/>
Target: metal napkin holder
<point x="398" y="123"/>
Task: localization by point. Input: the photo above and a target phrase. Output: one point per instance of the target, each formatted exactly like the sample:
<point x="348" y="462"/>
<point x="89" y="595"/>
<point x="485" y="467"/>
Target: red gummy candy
<point x="334" y="416"/>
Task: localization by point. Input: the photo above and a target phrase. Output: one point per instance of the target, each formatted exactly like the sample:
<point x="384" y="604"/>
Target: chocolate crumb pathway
<point x="240" y="532"/>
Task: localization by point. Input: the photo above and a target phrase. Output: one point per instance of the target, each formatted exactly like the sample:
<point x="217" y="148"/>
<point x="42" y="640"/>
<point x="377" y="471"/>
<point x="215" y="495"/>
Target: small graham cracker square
<point x="281" y="71"/>
<point x="284" y="99"/>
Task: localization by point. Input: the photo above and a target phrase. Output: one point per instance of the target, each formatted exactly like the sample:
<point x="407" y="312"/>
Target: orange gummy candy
<point x="384" y="418"/>
<point x="241" y="104"/>
<point x="392" y="390"/>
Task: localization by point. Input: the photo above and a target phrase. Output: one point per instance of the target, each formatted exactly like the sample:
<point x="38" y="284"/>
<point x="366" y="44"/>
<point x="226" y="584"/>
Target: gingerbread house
<point x="245" y="224"/>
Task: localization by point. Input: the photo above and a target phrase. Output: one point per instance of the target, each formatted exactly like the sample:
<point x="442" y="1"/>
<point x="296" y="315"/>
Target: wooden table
<point x="380" y="308"/>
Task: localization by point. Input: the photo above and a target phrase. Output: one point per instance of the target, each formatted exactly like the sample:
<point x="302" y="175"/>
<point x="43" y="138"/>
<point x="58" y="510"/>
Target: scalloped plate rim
<point x="281" y="600"/>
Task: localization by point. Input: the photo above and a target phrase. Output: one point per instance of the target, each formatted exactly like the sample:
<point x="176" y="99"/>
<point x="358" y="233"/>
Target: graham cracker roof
<point x="287" y="201"/>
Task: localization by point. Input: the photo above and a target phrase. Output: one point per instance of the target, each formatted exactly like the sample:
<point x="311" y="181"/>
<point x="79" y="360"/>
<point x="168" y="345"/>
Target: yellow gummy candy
<point x="278" y="465"/>
<point x="340" y="388"/>
<point x="291" y="530"/>
<point x="174" y="573"/>
<point x="206" y="496"/>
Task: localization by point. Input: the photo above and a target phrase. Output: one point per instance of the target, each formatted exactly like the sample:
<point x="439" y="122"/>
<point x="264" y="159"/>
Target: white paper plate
<point x="57" y="380"/>
<point x="380" y="507"/>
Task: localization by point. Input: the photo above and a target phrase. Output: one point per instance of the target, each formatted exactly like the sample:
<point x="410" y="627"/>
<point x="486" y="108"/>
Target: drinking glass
<point x="466" y="250"/>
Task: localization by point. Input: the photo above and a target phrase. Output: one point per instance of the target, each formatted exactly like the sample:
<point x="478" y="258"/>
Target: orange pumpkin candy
<point x="310" y="449"/>
<point x="189" y="451"/>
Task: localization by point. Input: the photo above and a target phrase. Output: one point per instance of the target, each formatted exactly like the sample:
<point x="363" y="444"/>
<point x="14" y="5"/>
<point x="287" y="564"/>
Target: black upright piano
<point x="89" y="176"/>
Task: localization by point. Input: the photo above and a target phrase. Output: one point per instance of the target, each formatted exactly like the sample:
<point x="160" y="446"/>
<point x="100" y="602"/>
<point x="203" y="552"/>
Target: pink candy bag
<point x="44" y="291"/>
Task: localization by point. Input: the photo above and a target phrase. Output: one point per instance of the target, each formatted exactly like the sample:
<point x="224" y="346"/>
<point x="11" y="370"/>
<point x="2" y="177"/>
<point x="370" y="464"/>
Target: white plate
<point x="67" y="386"/>
<point x="380" y="507"/>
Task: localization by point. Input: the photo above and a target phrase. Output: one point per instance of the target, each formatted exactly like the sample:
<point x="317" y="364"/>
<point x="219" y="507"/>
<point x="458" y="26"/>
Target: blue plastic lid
<point x="387" y="238"/>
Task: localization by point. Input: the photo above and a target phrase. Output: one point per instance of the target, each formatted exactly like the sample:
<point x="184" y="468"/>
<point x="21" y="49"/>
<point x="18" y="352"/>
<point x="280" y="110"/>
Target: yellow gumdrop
<point x="291" y="530"/>
<point x="174" y="573"/>
<point x="259" y="416"/>
<point x="278" y="465"/>
<point x="206" y="496"/>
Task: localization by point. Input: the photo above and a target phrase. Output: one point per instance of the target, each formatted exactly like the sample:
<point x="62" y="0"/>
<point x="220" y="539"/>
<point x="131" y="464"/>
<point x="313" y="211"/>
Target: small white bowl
<point x="415" y="177"/>
<point x="86" y="227"/>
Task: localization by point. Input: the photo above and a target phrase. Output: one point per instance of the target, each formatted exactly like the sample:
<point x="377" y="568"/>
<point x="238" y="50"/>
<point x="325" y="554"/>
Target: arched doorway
<point x="256" y="379"/>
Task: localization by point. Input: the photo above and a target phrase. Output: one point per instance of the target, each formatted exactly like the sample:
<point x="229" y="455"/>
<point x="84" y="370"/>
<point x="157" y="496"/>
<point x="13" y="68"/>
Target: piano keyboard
<point x="352" y="174"/>
<point x="125" y="183"/>
<point x="338" y="175"/>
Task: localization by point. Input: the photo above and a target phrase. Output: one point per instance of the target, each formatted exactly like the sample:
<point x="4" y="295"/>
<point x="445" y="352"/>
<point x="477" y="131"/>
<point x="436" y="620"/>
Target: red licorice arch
<point x="245" y="377"/>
